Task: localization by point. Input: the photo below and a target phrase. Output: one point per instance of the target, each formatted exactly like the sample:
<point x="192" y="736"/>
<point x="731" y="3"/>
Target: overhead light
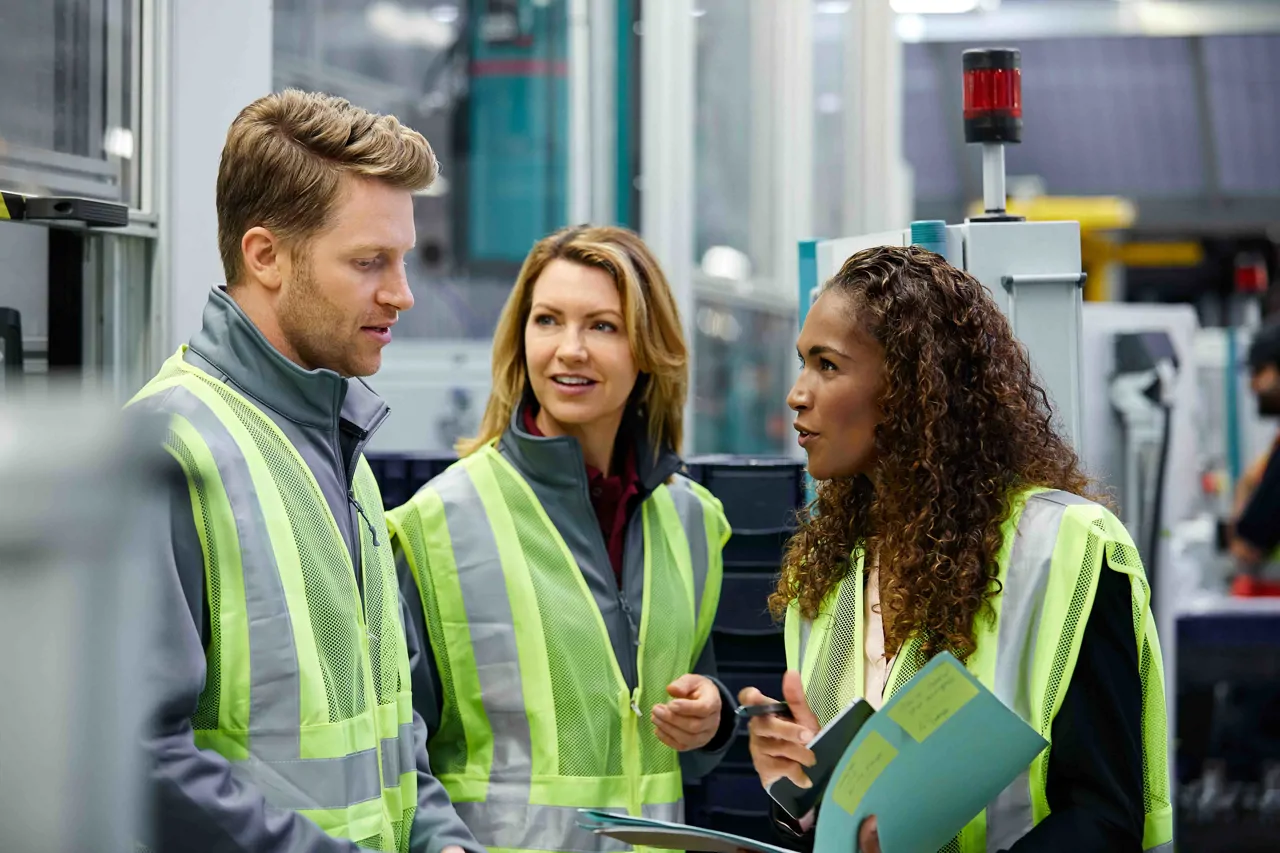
<point x="828" y="103"/>
<point x="726" y="262"/>
<point x="910" y="28"/>
<point x="698" y="13"/>
<point x="832" y="7"/>
<point x="397" y="24"/>
<point x="118" y="142"/>
<point x="932" y="7"/>
<point x="445" y="14"/>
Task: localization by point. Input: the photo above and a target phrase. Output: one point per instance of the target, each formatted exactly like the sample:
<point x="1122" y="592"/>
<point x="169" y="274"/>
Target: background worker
<point x="950" y="515"/>
<point x="284" y="720"/>
<point x="1255" y="535"/>
<point x="569" y="575"/>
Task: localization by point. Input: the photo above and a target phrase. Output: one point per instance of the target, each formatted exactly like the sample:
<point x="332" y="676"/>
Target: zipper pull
<point x="351" y="496"/>
<point x="635" y="704"/>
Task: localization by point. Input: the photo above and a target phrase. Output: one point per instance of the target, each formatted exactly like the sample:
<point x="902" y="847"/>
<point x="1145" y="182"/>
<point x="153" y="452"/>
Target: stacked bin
<point x="760" y="497"/>
<point x="400" y="475"/>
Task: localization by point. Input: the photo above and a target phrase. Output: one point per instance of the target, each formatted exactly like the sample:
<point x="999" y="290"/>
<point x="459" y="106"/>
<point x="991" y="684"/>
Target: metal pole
<point x="580" y="118"/>
<point x="668" y="54"/>
<point x="993" y="192"/>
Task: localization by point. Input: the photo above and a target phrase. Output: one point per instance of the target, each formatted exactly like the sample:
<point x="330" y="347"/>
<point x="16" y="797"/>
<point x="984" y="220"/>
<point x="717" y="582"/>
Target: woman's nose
<point x="571" y="346"/>
<point x="798" y="398"/>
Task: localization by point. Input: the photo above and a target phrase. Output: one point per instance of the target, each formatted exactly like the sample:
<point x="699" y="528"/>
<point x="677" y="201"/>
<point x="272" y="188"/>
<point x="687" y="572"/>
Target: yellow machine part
<point x="1099" y="250"/>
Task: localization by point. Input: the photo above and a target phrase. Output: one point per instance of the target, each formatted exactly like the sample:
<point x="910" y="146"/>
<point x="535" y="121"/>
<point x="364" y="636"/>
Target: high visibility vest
<point x="1049" y="565"/>
<point x="307" y="692"/>
<point x="537" y="720"/>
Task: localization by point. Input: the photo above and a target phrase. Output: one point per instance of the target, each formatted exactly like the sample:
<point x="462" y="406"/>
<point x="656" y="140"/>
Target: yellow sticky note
<point x="933" y="701"/>
<point x="868" y="762"/>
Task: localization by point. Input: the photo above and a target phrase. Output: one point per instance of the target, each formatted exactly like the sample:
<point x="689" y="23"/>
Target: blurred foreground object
<point x="79" y="487"/>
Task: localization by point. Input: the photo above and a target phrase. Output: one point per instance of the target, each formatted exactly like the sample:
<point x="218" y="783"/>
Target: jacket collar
<point x="231" y="344"/>
<point x="558" y="462"/>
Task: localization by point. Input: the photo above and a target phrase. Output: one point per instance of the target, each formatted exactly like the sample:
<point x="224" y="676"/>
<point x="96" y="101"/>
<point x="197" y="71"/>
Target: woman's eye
<point x="603" y="326"/>
<point x="543" y="320"/>
<point x="827" y="365"/>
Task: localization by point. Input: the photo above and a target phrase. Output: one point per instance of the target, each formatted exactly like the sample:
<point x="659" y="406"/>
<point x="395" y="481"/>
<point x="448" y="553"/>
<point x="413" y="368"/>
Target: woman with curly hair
<point x="951" y="515"/>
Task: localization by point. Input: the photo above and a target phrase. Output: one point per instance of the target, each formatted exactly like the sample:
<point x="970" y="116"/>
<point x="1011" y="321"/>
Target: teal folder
<point x="925" y="764"/>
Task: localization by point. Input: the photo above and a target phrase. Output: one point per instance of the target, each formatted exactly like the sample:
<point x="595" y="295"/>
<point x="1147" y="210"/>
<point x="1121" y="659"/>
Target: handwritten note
<point x="933" y="701"/>
<point x="868" y="762"/>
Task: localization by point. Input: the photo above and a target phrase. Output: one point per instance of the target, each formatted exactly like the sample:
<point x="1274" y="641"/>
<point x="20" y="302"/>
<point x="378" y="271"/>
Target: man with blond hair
<point x="283" y="719"/>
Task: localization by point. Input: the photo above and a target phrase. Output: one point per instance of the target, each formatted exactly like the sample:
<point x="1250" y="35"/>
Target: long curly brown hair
<point x="965" y="424"/>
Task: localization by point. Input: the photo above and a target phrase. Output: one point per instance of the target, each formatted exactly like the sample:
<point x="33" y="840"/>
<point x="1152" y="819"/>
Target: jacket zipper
<point x="347" y="466"/>
<point x="351" y="496"/>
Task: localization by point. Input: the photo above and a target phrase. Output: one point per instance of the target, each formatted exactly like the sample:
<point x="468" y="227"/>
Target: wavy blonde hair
<point x="649" y="314"/>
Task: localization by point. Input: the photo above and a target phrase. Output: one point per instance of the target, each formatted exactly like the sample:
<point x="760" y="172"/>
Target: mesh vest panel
<point x="587" y="695"/>
<point x="343" y="647"/>
<point x="832" y="658"/>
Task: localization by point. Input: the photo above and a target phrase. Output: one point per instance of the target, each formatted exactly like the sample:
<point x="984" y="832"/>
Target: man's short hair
<point x="1265" y="349"/>
<point x="284" y="159"/>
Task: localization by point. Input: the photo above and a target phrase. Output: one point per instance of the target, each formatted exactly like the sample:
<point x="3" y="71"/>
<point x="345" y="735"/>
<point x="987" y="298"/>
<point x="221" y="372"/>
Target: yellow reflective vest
<point x="1055" y="547"/>
<point x="307" y="690"/>
<point x="537" y="719"/>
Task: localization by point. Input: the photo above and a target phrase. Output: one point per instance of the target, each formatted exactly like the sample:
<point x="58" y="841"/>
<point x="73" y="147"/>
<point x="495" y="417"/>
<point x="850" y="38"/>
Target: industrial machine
<point x="1142" y="394"/>
<point x="516" y="110"/>
<point x="1127" y="383"/>
<point x="1033" y="269"/>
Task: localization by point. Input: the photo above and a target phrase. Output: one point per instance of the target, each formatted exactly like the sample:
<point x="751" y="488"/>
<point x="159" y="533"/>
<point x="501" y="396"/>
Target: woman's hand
<point x="779" y="747"/>
<point x="869" y="836"/>
<point x="692" y="717"/>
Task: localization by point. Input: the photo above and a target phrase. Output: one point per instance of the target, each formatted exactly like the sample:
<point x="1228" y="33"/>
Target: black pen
<point x="782" y="709"/>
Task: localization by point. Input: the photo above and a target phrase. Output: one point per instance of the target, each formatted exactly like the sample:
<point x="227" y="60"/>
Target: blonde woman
<point x="566" y="575"/>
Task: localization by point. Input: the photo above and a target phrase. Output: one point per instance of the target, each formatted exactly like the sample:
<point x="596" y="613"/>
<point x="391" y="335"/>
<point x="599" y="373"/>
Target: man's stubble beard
<point x="306" y="319"/>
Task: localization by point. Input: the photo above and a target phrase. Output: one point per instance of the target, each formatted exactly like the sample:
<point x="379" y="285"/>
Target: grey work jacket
<point x="557" y="472"/>
<point x="198" y="804"/>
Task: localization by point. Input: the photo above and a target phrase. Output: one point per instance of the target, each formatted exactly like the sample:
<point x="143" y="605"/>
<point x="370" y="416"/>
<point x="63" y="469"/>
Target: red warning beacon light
<point x="993" y="95"/>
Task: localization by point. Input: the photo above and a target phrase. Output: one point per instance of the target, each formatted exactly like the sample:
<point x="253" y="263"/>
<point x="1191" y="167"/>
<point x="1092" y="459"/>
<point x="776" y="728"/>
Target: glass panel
<point x="828" y="120"/>
<point x="732" y="211"/>
<point x="487" y="84"/>
<point x="745" y="366"/>
<point x="67" y="122"/>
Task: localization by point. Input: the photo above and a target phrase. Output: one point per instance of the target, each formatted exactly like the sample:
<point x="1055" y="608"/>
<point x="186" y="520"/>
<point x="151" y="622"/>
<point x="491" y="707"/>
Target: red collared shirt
<point x="611" y="498"/>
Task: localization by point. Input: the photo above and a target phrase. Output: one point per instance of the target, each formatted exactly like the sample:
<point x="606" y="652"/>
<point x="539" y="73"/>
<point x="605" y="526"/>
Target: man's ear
<point x="263" y="254"/>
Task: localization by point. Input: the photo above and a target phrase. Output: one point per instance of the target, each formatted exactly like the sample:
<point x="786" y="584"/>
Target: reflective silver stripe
<point x="1010" y="816"/>
<point x="491" y="625"/>
<point x="692" y="518"/>
<point x="519" y="826"/>
<point x="1167" y="847"/>
<point x="273" y="767"/>
<point x="314" y="783"/>
<point x="274" y="680"/>
<point x="806" y="628"/>
<point x="397" y="756"/>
